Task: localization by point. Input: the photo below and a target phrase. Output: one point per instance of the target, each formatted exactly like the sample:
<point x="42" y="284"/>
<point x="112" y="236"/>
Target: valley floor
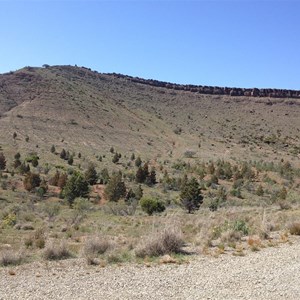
<point x="272" y="273"/>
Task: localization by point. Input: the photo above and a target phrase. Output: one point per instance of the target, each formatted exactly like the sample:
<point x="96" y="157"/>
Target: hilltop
<point x="87" y="111"/>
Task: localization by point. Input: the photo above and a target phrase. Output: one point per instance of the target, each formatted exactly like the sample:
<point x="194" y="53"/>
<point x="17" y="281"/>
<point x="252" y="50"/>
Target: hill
<point x="83" y="110"/>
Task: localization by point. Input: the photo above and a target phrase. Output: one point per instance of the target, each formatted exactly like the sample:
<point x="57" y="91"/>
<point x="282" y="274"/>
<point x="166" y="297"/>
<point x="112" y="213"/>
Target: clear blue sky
<point x="225" y="43"/>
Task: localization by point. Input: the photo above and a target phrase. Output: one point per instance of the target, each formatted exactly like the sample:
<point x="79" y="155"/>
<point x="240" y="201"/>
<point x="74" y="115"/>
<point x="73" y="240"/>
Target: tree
<point x="139" y="192"/>
<point x="2" y="161"/>
<point x="152" y="205"/>
<point x="140" y="175"/>
<point x="91" y="175"/>
<point x="76" y="186"/>
<point x="31" y="181"/>
<point x="138" y="162"/>
<point x="115" y="158"/>
<point x="63" y="154"/>
<point x="190" y="195"/>
<point x="151" y="178"/>
<point x="14" y="135"/>
<point x="132" y="156"/>
<point x="104" y="176"/>
<point x="115" y="188"/>
<point x="70" y="160"/>
<point x="52" y="149"/>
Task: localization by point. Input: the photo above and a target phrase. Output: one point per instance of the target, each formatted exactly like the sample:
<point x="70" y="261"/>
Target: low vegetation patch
<point x="168" y="242"/>
<point x="57" y="252"/>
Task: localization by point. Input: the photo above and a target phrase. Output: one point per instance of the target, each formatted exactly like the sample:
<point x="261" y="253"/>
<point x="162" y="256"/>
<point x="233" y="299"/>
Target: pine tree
<point x="190" y="195"/>
<point x="115" y="158"/>
<point x="63" y="154"/>
<point x="2" y="162"/>
<point x="52" y="149"/>
<point x="91" y="175"/>
<point x="140" y="175"/>
<point x="115" y="188"/>
<point x="76" y="186"/>
<point x="139" y="192"/>
<point x="138" y="162"/>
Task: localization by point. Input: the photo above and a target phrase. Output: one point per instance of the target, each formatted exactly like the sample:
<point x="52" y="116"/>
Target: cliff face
<point x="216" y="90"/>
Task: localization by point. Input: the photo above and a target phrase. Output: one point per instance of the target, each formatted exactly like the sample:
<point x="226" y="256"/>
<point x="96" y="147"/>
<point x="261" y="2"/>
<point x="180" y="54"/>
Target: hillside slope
<point x="86" y="111"/>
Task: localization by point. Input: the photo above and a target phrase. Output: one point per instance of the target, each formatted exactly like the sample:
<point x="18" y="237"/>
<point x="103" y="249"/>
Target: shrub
<point x="2" y="161"/>
<point x="31" y="181"/>
<point x="94" y="247"/>
<point x="152" y="205"/>
<point x="57" y="252"/>
<point x="9" y="257"/>
<point x="294" y="228"/>
<point x="167" y="242"/>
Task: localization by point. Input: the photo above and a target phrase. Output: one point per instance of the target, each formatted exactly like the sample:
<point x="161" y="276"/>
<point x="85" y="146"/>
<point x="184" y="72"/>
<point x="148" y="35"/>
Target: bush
<point x="294" y="228"/>
<point x="57" y="252"/>
<point x="94" y="247"/>
<point x="151" y="205"/>
<point x="31" y="181"/>
<point x="167" y="242"/>
<point x="9" y="257"/>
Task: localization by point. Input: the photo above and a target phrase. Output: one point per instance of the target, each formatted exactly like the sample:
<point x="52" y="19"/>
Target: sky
<point x="239" y="43"/>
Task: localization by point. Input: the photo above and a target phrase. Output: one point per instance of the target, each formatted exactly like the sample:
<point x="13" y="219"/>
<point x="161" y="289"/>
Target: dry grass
<point x="167" y="242"/>
<point x="294" y="228"/>
<point x="93" y="247"/>
<point x="57" y="252"/>
<point x="11" y="257"/>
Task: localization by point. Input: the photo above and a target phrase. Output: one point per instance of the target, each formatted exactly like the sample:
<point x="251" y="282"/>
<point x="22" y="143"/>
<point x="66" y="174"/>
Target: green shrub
<point x="152" y="205"/>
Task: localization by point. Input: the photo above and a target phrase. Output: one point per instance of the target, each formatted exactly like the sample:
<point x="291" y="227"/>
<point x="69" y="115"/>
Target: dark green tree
<point x="63" y="154"/>
<point x="115" y="188"/>
<point x="140" y="175"/>
<point x="138" y="162"/>
<point x="190" y="195"/>
<point x="91" y="175"/>
<point x="52" y="149"/>
<point x="76" y="186"/>
<point x="138" y="192"/>
<point x="115" y="158"/>
<point x="104" y="176"/>
<point x="70" y="160"/>
<point x="2" y="162"/>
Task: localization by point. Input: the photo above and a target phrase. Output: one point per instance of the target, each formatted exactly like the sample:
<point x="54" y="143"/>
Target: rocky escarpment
<point x="216" y="90"/>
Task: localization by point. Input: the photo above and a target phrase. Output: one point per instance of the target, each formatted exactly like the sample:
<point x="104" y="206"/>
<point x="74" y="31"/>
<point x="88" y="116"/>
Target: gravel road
<point x="272" y="273"/>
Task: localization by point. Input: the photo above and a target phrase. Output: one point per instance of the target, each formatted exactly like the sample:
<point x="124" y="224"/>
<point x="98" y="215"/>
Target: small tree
<point x="76" y="186"/>
<point x="138" y="192"/>
<point x="91" y="175"/>
<point x="2" y="162"/>
<point x="52" y="149"/>
<point x="138" y="162"/>
<point x="116" y="158"/>
<point x="31" y="181"/>
<point x="70" y="160"/>
<point x="115" y="188"/>
<point x="63" y="154"/>
<point x="190" y="195"/>
<point x="152" y="205"/>
<point x="140" y="175"/>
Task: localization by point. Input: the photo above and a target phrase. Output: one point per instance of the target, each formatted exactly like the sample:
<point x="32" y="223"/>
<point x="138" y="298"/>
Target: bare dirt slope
<point x="272" y="273"/>
<point x="83" y="110"/>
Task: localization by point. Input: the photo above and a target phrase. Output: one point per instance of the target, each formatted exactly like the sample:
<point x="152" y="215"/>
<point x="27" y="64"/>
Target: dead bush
<point x="57" y="252"/>
<point x="167" y="242"/>
<point x="94" y="247"/>
<point x="294" y="228"/>
<point x="10" y="257"/>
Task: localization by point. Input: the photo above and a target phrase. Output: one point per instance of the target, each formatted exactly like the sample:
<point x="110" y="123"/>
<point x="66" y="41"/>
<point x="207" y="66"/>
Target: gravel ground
<point x="272" y="273"/>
